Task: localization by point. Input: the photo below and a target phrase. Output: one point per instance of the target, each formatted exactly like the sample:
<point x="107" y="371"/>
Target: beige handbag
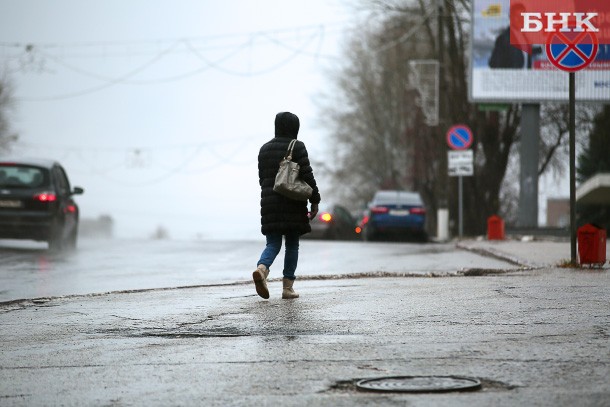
<point x="287" y="181"/>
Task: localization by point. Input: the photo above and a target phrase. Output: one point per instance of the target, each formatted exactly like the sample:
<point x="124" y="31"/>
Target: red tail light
<point x="379" y="209"/>
<point x="417" y="211"/>
<point x="45" y="197"/>
<point x="326" y="217"/>
<point x="70" y="209"/>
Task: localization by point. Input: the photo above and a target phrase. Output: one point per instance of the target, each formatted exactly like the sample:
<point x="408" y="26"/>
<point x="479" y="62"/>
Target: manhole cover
<point x="420" y="384"/>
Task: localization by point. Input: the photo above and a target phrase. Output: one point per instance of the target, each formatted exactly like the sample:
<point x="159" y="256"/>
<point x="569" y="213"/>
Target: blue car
<point x="395" y="214"/>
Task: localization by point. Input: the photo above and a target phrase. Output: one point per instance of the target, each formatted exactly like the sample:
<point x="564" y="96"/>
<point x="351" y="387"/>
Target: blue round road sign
<point x="459" y="137"/>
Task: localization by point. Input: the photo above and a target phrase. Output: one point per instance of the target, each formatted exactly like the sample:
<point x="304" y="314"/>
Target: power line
<point x="295" y="53"/>
<point x="144" y="157"/>
<point x="35" y="55"/>
<point x="340" y="27"/>
<point x="103" y="86"/>
<point x="160" y="147"/>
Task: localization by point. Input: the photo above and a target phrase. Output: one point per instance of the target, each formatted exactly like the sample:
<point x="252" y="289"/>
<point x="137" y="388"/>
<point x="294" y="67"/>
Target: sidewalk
<point x="528" y="253"/>
<point x="532" y="336"/>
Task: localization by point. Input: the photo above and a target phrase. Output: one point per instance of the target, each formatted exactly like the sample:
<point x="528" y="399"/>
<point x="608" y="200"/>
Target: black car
<point x="36" y="203"/>
<point x="333" y="223"/>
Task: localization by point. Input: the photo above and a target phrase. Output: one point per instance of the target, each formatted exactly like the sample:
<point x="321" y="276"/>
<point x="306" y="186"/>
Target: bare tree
<point x="554" y="150"/>
<point x="372" y="114"/>
<point x="379" y="130"/>
<point x="380" y="136"/>
<point x="554" y="147"/>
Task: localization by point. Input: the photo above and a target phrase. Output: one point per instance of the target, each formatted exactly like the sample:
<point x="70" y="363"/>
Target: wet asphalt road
<point x="28" y="270"/>
<point x="533" y="336"/>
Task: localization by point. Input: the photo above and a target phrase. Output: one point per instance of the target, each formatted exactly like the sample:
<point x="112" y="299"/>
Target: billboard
<point x="505" y="73"/>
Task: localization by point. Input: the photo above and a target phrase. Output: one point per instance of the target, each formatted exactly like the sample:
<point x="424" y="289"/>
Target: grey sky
<point x="151" y="105"/>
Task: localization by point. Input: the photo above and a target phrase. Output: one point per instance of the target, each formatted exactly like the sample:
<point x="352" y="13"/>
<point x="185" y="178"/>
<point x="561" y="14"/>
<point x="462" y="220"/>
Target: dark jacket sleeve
<point x="301" y="157"/>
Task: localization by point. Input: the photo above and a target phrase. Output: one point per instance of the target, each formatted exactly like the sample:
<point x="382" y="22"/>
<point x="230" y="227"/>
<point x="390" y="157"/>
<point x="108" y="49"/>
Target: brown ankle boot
<point x="260" y="280"/>
<point x="288" y="292"/>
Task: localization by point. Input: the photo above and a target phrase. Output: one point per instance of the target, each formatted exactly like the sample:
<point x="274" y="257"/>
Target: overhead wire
<point x="115" y="81"/>
<point x="156" y="41"/>
<point x="161" y="147"/>
<point x="248" y="73"/>
<point x="188" y="43"/>
<point x="126" y="78"/>
<point x="131" y="156"/>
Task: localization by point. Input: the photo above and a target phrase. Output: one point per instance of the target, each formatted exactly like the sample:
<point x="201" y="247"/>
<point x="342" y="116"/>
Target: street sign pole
<point x="572" y="126"/>
<point x="461" y="207"/>
<point x="460" y="163"/>
<point x="571" y="54"/>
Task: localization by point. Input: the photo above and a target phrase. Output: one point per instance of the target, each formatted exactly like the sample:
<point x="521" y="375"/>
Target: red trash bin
<point x="591" y="244"/>
<point x="495" y="228"/>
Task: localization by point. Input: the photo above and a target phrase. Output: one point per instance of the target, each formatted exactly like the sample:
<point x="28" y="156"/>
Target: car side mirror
<point x="78" y="191"/>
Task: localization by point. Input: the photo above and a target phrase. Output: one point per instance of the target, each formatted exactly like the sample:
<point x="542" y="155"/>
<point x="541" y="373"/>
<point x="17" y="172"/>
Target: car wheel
<point x="331" y="234"/>
<point x="56" y="240"/>
<point x="368" y="235"/>
<point x="423" y="237"/>
<point x="55" y="243"/>
<point x="70" y="242"/>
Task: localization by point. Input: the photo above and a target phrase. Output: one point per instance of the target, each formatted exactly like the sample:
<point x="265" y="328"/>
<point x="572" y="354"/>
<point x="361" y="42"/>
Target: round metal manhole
<point x="419" y="384"/>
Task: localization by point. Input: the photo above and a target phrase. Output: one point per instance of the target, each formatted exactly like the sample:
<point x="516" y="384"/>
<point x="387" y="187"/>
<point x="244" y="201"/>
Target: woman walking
<point x="282" y="217"/>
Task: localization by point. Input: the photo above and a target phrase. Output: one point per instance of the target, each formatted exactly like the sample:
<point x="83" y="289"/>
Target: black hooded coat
<point x="279" y="214"/>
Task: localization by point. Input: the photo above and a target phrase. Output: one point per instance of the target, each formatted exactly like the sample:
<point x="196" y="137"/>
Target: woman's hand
<point x="313" y="212"/>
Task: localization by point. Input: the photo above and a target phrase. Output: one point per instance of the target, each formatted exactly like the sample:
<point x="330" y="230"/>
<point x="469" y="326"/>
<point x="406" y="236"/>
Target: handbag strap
<point x="288" y="155"/>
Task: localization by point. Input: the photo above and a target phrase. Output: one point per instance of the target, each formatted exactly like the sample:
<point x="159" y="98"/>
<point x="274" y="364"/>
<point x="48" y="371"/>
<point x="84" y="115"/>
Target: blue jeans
<point x="291" y="257"/>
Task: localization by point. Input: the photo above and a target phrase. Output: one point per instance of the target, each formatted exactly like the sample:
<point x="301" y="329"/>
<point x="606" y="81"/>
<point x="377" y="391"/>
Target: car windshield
<point x="20" y="176"/>
<point x="397" y="198"/>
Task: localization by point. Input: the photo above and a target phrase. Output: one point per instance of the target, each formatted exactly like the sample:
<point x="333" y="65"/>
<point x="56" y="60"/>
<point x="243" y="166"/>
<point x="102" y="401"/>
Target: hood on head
<point x="286" y="125"/>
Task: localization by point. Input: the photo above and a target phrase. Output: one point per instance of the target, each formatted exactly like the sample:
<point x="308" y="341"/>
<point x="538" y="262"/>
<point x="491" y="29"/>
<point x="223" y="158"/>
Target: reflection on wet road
<point x="28" y="270"/>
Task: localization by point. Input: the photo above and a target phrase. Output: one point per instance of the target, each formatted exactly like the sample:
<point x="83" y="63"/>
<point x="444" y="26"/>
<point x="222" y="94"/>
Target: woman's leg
<point x="272" y="249"/>
<point x="291" y="257"/>
<point x="274" y="244"/>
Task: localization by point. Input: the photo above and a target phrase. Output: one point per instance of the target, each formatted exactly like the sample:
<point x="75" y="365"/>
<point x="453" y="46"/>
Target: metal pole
<point x="528" y="178"/>
<point x="442" y="184"/>
<point x="572" y="168"/>
<point x="461" y="207"/>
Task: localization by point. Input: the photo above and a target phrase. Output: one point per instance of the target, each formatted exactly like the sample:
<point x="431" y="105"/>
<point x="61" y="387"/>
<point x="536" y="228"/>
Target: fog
<point x="158" y="109"/>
